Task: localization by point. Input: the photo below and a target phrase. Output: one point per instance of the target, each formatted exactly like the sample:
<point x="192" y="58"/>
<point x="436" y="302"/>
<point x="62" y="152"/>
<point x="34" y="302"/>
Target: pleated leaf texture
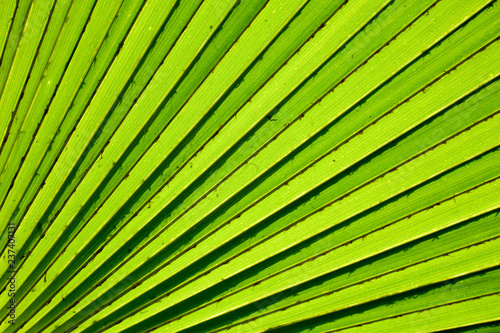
<point x="250" y="166"/>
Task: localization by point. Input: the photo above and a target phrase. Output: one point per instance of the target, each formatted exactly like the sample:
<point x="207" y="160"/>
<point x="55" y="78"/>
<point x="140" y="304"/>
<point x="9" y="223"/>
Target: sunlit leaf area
<point x="243" y="166"/>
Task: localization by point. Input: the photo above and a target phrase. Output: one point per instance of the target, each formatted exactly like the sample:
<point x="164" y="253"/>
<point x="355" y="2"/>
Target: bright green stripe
<point x="88" y="46"/>
<point x="205" y="158"/>
<point x="95" y="32"/>
<point x="332" y="72"/>
<point x="420" y="142"/>
<point x="452" y="291"/>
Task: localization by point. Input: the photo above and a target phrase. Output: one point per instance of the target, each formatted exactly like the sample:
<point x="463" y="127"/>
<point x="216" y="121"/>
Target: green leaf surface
<point x="249" y="166"/>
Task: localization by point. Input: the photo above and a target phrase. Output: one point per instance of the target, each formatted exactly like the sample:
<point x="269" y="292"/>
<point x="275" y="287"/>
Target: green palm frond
<point x="250" y="166"/>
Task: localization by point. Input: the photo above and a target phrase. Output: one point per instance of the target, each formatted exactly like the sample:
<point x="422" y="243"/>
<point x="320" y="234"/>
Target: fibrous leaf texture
<point x="250" y="166"/>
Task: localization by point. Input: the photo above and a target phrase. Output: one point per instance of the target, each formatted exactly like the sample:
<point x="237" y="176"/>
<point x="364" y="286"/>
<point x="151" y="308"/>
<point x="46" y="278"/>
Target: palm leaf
<point x="250" y="166"/>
